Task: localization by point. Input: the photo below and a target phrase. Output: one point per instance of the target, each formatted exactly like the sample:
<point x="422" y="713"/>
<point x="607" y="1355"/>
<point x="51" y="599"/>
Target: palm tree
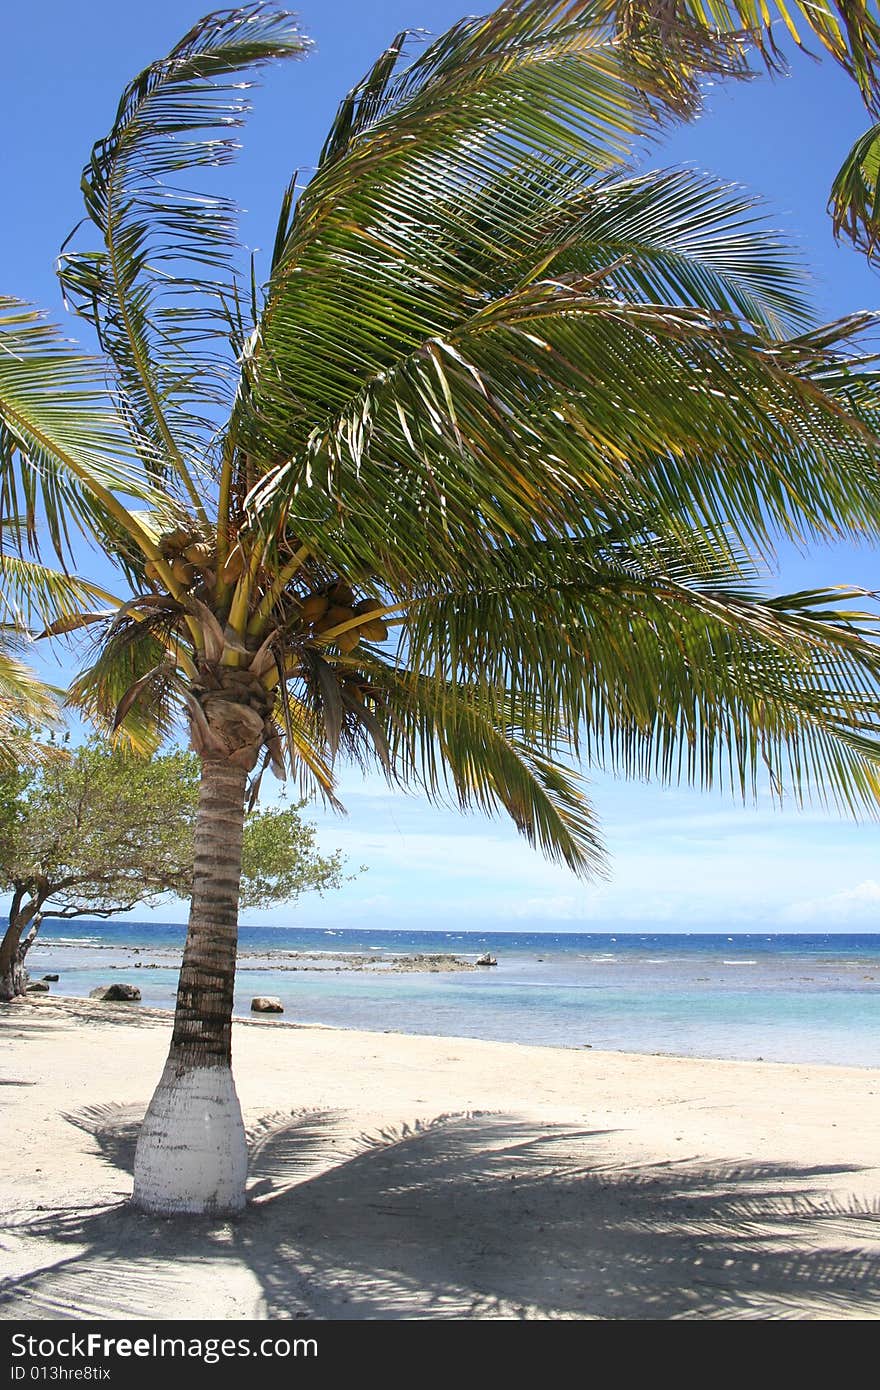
<point x="470" y="490"/>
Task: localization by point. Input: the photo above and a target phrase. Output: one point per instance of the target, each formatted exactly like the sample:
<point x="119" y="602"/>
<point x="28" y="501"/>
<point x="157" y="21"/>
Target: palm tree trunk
<point x="191" y="1154"/>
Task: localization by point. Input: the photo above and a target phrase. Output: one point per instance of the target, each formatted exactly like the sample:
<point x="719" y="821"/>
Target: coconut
<point x="341" y="593"/>
<point x="174" y="540"/>
<point x="183" y="573"/>
<point x="234" y="565"/>
<point x="334" y="617"/>
<point x="374" y="631"/>
<point x="314" y="607"/>
<point x="198" y="554"/>
<point x="347" y="641"/>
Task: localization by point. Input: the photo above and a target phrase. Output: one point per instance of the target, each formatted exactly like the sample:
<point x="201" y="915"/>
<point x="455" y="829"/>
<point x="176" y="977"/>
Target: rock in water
<point x="267" y="1004"/>
<point x="37" y="987"/>
<point x="486" y="960"/>
<point x="111" y="994"/>
<point x="53" y="978"/>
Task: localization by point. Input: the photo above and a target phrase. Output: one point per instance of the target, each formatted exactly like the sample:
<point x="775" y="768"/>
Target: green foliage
<point x="855" y="193"/>
<point x="159" y="290"/>
<point x="280" y="861"/>
<point x="104" y="831"/>
<point x="14" y="780"/>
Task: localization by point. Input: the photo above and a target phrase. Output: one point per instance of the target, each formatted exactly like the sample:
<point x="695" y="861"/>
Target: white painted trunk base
<point x="191" y="1153"/>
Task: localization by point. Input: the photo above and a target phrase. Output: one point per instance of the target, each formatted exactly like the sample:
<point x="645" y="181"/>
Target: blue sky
<point x="678" y="859"/>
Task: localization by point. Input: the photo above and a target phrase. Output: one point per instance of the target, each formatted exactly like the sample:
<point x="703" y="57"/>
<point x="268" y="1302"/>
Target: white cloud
<point x="858" y="907"/>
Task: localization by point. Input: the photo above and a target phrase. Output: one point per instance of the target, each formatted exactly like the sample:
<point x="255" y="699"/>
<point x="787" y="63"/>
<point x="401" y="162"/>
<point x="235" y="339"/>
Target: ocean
<point x="783" y="998"/>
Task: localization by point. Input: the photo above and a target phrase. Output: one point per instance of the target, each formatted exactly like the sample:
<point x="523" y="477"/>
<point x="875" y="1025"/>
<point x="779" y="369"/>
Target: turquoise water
<point x="782" y="998"/>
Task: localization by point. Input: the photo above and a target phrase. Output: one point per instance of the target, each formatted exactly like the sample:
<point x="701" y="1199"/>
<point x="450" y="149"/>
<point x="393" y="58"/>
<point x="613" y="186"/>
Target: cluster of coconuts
<point x="191" y="559"/>
<point x="188" y="557"/>
<point x="336" y="606"/>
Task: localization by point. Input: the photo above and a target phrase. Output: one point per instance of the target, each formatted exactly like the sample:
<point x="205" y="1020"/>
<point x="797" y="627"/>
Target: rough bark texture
<point x="14" y="947"/>
<point x="191" y="1154"/>
<point x="13" y="978"/>
<point x="203" y="1017"/>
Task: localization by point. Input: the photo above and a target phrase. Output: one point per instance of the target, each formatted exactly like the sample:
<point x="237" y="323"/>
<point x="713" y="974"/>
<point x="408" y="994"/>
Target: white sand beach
<point x="422" y="1177"/>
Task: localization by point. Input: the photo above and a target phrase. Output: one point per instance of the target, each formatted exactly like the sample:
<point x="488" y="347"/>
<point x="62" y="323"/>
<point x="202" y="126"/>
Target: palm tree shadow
<point x="466" y="1216"/>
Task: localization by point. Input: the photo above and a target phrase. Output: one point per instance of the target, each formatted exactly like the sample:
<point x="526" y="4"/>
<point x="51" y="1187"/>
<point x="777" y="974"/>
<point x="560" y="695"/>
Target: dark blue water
<point x="781" y="997"/>
<point x="833" y="945"/>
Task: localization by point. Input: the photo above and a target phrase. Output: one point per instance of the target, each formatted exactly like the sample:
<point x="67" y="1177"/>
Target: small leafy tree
<point x="106" y="831"/>
<point x="278" y="857"/>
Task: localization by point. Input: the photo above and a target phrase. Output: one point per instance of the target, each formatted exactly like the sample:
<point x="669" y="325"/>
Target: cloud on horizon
<point x="857" y="906"/>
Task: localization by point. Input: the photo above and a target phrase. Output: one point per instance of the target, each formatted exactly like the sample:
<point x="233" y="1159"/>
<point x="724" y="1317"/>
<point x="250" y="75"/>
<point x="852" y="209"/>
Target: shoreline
<point x="401" y="1176"/>
<point x="801" y="1003"/>
<point x="120" y="1012"/>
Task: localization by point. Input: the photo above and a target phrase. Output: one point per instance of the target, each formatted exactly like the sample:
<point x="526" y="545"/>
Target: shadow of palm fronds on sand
<point x="468" y="1216"/>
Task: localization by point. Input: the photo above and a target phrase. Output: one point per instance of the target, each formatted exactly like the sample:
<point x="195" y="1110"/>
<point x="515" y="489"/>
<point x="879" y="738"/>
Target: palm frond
<point x="160" y="288"/>
<point x="386" y="283"/>
<point x="65" y="453"/>
<point x="854" y="205"/>
<point x="31" y="594"/>
<point x="554" y="404"/>
<point x="658" y="666"/>
<point x="131" y="654"/>
<point x="677" y="237"/>
<point x="468" y="314"/>
<point x="302" y="735"/>
<point x="848" y="30"/>
<point x="26" y="704"/>
<point x="462" y="741"/>
<point x="391" y="203"/>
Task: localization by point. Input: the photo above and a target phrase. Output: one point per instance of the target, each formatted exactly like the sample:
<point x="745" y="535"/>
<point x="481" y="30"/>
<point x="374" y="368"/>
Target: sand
<point x="422" y="1177"/>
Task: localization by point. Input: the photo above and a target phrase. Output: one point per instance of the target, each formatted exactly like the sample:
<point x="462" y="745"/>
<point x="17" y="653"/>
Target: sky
<point x="678" y="859"/>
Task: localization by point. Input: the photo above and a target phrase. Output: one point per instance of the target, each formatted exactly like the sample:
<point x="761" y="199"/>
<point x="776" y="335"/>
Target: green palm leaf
<point x="448" y="350"/>
<point x="847" y="30"/>
<point x="31" y="594"/>
<point x="665" y="661"/>
<point x="416" y="269"/>
<point x="160" y="289"/>
<point x="455" y="742"/>
<point x="26" y="705"/>
<point x="394" y="211"/>
<point x="854" y="193"/>
<point x="554" y="404"/>
<point x="461" y="742"/>
<point x="64" y="448"/>
<point x="132" y="655"/>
